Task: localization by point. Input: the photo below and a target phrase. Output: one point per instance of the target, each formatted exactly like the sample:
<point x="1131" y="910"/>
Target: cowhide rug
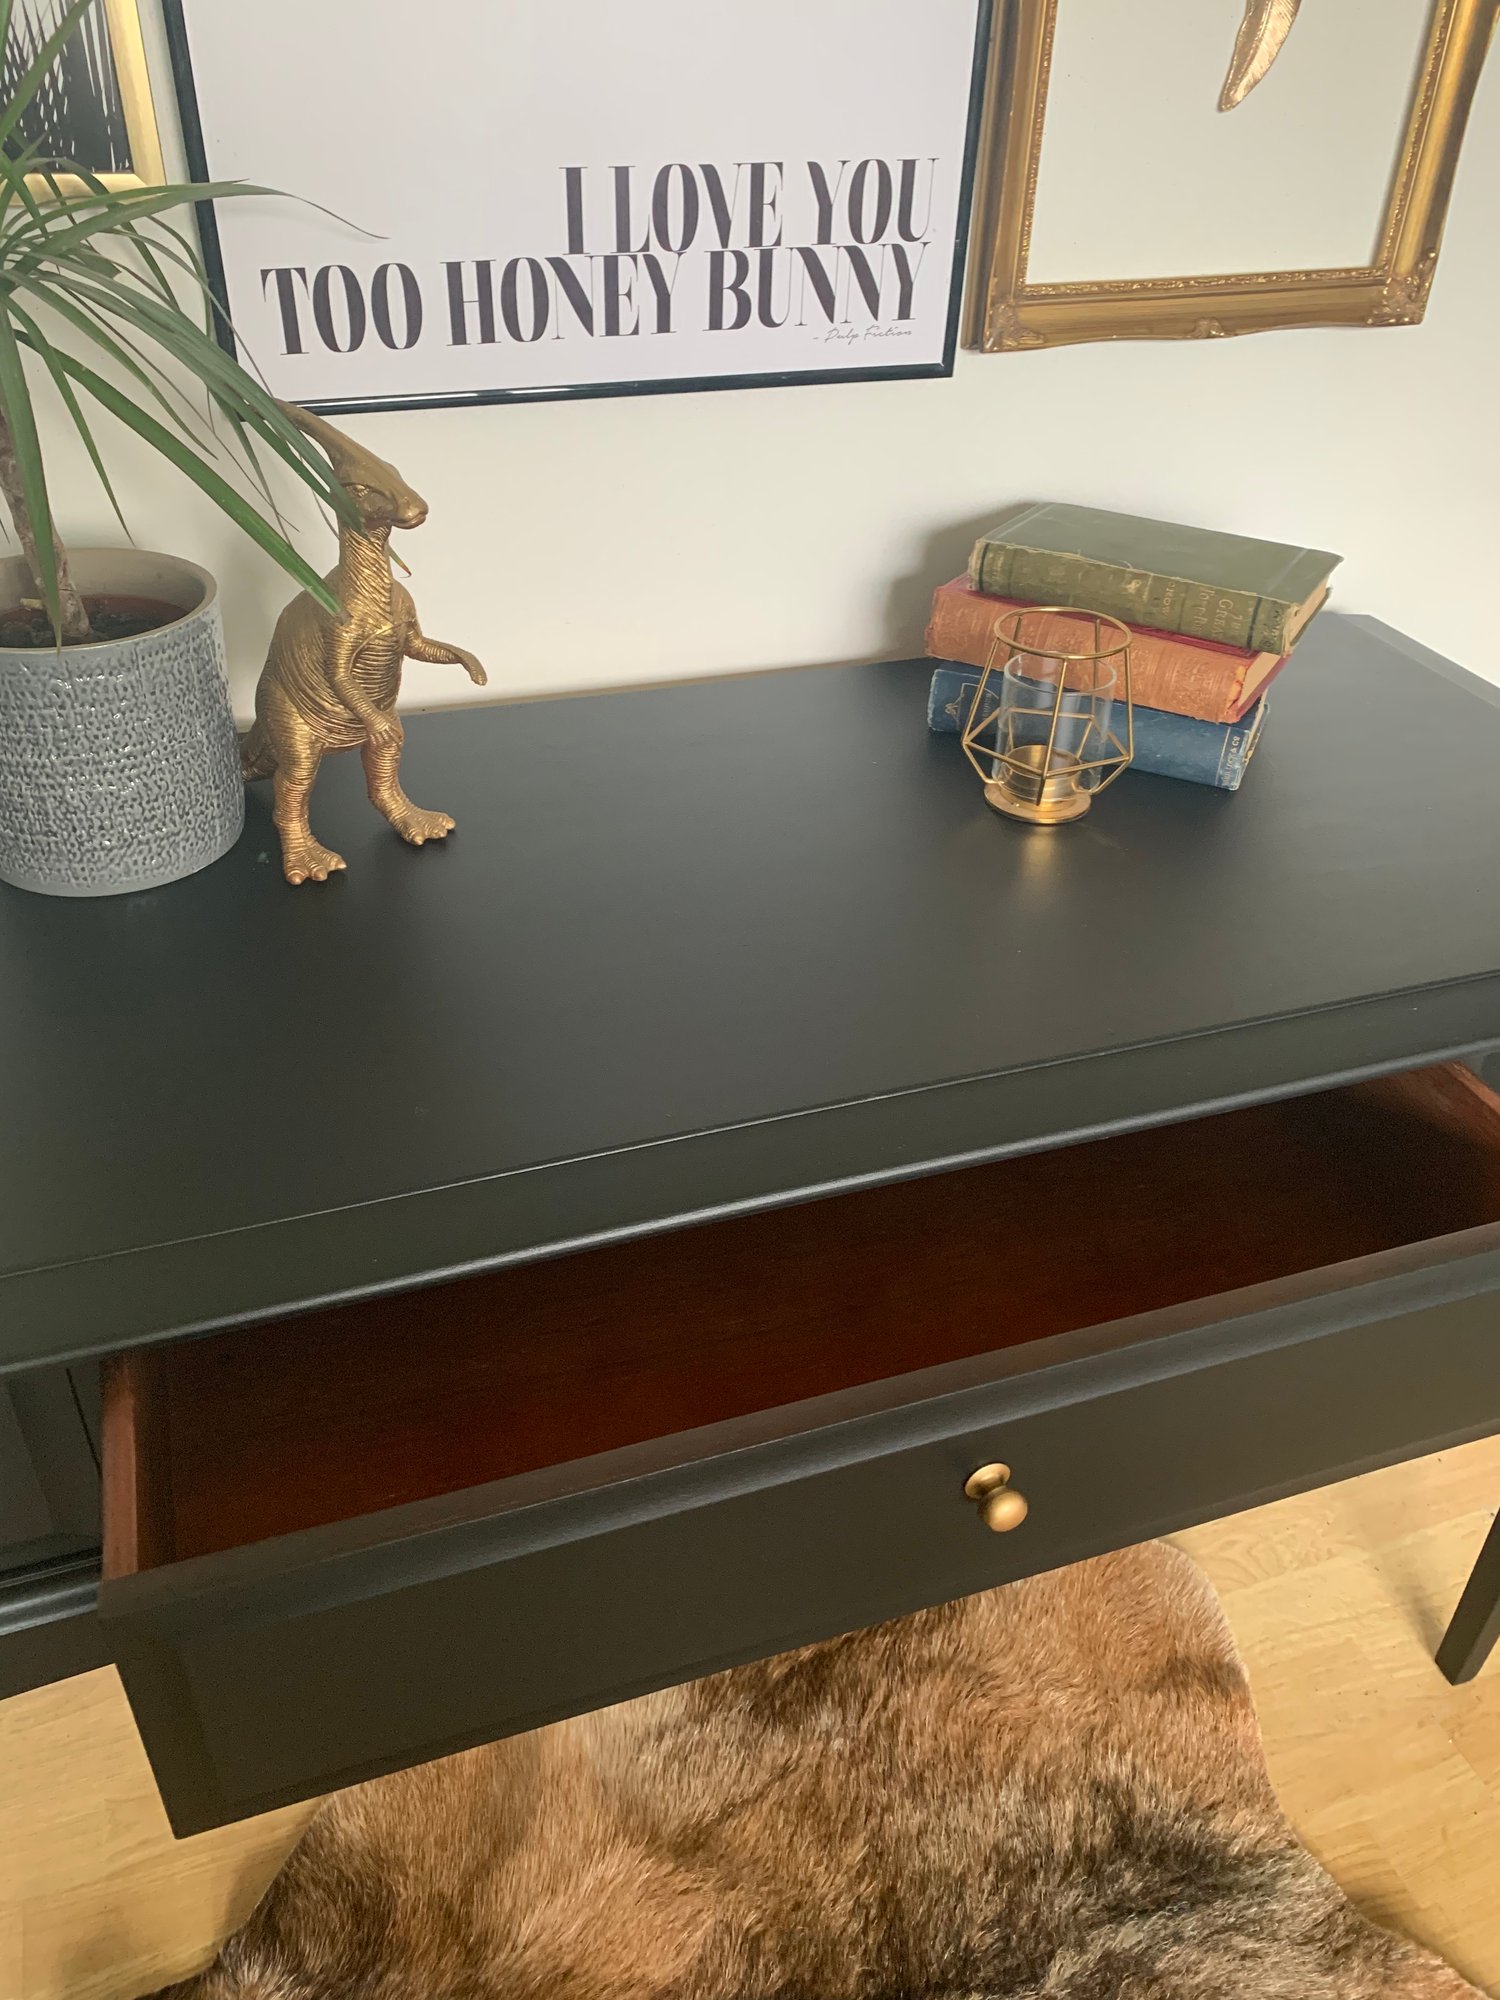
<point x="1056" y="1789"/>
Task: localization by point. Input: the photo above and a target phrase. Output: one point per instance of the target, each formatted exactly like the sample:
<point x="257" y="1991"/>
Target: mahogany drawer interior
<point x="215" y="1443"/>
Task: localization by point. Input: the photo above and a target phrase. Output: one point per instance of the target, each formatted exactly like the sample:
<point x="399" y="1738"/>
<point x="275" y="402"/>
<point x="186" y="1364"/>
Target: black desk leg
<point x="1476" y="1623"/>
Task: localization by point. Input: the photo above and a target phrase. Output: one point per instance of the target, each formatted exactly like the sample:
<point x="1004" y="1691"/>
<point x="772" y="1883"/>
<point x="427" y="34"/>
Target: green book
<point x="1229" y="588"/>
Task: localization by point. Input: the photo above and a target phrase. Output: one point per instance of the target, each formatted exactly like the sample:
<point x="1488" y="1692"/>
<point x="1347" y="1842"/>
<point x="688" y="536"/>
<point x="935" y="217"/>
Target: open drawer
<point x="358" y="1539"/>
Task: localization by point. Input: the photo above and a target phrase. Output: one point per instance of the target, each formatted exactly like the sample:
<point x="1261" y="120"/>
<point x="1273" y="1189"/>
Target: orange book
<point x="1197" y="677"/>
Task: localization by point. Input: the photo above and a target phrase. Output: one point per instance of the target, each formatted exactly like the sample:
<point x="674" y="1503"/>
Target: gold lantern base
<point x="1026" y="788"/>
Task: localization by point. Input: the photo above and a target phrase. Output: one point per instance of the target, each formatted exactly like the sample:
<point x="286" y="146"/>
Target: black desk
<point x="697" y="952"/>
<point x="701" y="948"/>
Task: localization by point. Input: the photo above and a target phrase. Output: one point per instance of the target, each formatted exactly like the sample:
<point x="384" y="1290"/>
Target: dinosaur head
<point x="377" y="489"/>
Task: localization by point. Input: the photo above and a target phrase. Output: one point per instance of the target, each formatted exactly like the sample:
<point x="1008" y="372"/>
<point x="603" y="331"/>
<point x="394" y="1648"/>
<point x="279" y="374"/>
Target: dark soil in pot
<point x="112" y="617"/>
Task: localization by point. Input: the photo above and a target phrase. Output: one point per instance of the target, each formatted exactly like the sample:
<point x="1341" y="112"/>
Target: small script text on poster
<point x="629" y="238"/>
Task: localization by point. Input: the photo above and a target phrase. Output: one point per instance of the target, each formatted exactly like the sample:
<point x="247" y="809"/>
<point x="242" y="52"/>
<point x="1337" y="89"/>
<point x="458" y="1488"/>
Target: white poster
<point x="505" y="198"/>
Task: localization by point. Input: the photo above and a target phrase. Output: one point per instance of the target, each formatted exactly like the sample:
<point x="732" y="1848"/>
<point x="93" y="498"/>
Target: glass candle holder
<point x="1048" y="729"/>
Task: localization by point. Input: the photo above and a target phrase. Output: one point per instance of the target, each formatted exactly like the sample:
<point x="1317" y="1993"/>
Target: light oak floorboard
<point x="1392" y="1777"/>
<point x="1338" y="1598"/>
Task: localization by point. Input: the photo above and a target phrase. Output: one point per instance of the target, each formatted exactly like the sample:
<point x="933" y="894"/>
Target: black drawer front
<point x="297" y="1666"/>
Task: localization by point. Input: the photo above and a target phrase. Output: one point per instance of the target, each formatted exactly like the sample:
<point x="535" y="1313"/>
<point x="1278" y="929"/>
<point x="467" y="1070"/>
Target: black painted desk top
<point x="707" y="947"/>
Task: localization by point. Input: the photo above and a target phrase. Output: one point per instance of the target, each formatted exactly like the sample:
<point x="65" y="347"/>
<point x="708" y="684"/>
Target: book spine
<point x="1139" y="597"/>
<point x="1165" y="671"/>
<point x="1166" y="746"/>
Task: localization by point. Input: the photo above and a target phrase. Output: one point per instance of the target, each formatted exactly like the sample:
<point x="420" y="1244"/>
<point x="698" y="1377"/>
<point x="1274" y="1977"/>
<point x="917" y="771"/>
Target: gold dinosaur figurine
<point x="331" y="683"/>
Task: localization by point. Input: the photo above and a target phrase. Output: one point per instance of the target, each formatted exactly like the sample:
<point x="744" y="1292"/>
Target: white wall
<point x="575" y="545"/>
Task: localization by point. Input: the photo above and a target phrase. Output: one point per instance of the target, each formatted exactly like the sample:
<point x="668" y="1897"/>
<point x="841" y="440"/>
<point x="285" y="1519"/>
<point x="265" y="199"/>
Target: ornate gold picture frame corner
<point x="1004" y="313"/>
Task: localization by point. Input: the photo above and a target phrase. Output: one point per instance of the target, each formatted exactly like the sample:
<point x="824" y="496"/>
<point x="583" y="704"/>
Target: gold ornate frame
<point x="1005" y="313"/>
<point x="129" y="50"/>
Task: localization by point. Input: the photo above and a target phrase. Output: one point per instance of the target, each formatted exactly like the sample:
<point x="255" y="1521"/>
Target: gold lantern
<point x="1049" y="728"/>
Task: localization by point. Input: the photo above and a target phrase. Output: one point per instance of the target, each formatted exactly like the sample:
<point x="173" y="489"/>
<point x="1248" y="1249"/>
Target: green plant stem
<point x="75" y="617"/>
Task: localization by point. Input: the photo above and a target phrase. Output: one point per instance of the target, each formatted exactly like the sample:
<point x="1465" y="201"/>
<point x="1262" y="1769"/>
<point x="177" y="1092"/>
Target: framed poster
<point x="575" y="197"/>
<point x="94" y="109"/>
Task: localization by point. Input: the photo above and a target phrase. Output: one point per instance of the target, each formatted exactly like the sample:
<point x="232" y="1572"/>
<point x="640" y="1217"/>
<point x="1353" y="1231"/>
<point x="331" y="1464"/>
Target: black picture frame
<point x="197" y="158"/>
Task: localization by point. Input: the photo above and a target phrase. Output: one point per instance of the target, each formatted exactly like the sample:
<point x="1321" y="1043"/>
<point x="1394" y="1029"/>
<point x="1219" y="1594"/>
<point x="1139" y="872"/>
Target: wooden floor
<point x="1338" y="1599"/>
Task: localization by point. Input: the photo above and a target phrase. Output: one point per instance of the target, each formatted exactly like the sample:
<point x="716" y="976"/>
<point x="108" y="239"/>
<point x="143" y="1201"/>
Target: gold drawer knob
<point x="1001" y="1507"/>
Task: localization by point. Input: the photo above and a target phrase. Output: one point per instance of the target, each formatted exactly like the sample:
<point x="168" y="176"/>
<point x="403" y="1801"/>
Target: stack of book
<point x="1214" y="619"/>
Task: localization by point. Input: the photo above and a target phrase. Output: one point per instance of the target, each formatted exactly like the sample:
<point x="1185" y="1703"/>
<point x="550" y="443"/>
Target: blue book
<point x="1167" y="746"/>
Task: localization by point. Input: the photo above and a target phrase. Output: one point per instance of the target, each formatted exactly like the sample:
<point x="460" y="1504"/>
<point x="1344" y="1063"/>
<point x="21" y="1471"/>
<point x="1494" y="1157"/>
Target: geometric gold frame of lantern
<point x="1044" y="739"/>
<point x="1007" y="312"/>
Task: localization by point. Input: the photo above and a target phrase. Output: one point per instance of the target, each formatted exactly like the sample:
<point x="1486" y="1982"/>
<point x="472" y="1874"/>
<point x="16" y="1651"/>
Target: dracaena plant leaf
<point x="114" y="274"/>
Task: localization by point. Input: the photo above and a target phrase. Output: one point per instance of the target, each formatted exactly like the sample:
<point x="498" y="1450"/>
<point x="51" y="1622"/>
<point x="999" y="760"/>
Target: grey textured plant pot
<point x="119" y="768"/>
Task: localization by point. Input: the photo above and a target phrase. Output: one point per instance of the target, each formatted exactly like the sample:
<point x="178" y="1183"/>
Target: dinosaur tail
<point x="257" y="757"/>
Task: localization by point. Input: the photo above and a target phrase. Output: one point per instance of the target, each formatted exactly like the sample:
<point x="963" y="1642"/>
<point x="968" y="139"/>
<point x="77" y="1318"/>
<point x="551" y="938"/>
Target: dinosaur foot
<point x="417" y="826"/>
<point x="309" y="861"/>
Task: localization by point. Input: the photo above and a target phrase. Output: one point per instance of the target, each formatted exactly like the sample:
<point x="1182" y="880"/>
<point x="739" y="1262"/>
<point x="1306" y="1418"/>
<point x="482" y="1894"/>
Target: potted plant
<point x="118" y="761"/>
